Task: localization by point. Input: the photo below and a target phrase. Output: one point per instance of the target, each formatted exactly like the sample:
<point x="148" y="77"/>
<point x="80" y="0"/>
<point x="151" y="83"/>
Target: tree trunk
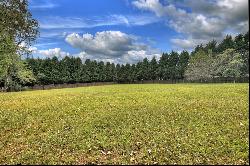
<point x="7" y="83"/>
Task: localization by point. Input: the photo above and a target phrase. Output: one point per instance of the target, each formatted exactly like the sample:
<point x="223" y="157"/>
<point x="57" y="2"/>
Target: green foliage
<point x="203" y="64"/>
<point x="14" y="72"/>
<point x="182" y="64"/>
<point x="163" y="70"/>
<point x="199" y="67"/>
<point x="229" y="59"/>
<point x="16" y="22"/>
<point x="173" y="61"/>
<point x="227" y="43"/>
<point x="228" y="64"/>
<point x="17" y="31"/>
<point x="153" y="69"/>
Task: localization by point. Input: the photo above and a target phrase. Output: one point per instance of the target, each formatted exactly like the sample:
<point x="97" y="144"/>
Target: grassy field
<point x="126" y="124"/>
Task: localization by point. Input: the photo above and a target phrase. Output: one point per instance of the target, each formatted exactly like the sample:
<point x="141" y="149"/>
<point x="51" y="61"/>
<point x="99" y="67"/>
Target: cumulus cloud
<point x="50" y="52"/>
<point x="110" y="43"/>
<point x="112" y="46"/>
<point x="186" y="43"/>
<point x="135" y="56"/>
<point x="107" y="46"/>
<point x="207" y="19"/>
<point x="130" y="57"/>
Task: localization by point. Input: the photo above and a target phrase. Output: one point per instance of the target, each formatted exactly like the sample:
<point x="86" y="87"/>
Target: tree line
<point x="73" y="70"/>
<point x="229" y="58"/>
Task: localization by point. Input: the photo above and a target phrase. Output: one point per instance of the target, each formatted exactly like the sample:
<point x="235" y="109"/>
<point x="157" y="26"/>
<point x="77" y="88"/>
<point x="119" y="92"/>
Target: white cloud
<point x="50" y="52"/>
<point x="135" y="56"/>
<point x="130" y="57"/>
<point x="187" y="43"/>
<point x="107" y="46"/>
<point x="107" y="43"/>
<point x="84" y="56"/>
<point x="208" y="19"/>
<point x="112" y="46"/>
<point x="32" y="49"/>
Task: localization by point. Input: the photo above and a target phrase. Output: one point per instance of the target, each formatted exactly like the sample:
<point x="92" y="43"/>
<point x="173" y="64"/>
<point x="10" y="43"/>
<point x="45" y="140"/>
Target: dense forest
<point x="229" y="58"/>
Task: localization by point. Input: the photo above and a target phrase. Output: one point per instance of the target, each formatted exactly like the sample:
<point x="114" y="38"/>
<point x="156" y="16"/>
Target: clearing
<point x="127" y="124"/>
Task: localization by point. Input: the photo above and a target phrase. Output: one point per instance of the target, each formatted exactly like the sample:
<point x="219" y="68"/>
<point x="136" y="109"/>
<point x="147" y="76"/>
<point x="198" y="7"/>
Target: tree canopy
<point x="17" y="31"/>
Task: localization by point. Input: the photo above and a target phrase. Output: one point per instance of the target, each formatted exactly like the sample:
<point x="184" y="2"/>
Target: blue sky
<point x="126" y="31"/>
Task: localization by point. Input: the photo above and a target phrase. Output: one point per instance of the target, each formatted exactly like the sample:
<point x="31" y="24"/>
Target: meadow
<point x="127" y="124"/>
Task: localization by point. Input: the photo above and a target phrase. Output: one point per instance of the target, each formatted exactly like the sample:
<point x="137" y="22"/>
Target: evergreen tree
<point x="113" y="72"/>
<point x="118" y="73"/>
<point x="76" y="69"/>
<point x="101" y="72"/>
<point x="133" y="73"/>
<point x="153" y="69"/>
<point x="55" y="71"/>
<point x="163" y="69"/>
<point x="211" y="46"/>
<point x="239" y="41"/>
<point x="246" y="41"/>
<point x="65" y="69"/>
<point x="226" y="44"/>
<point x="173" y="61"/>
<point x="139" y="71"/>
<point x="197" y="49"/>
<point x="182" y="65"/>
<point x="145" y="69"/>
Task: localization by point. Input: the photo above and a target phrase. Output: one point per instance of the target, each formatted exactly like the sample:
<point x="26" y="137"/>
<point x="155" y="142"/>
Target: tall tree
<point x="145" y="69"/>
<point x="211" y="47"/>
<point x="239" y="41"/>
<point x="246" y="41"/>
<point x="226" y="44"/>
<point x="197" y="49"/>
<point x="163" y="69"/>
<point x="153" y="69"/>
<point x="182" y="64"/>
<point x="228" y="64"/>
<point x="14" y="73"/>
<point x="101" y="72"/>
<point x="133" y="73"/>
<point x="77" y="67"/>
<point x="17" y="30"/>
<point x="118" y="72"/>
<point x="139" y="71"/>
<point x="65" y="70"/>
<point x="16" y="22"/>
<point x="199" y="67"/>
<point x="113" y="72"/>
<point x="173" y="61"/>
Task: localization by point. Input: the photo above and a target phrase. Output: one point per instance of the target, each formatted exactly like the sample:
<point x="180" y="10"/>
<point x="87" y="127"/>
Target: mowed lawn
<point x="127" y="124"/>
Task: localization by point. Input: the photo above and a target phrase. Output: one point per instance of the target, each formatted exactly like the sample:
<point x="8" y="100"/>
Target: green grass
<point x="126" y="124"/>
